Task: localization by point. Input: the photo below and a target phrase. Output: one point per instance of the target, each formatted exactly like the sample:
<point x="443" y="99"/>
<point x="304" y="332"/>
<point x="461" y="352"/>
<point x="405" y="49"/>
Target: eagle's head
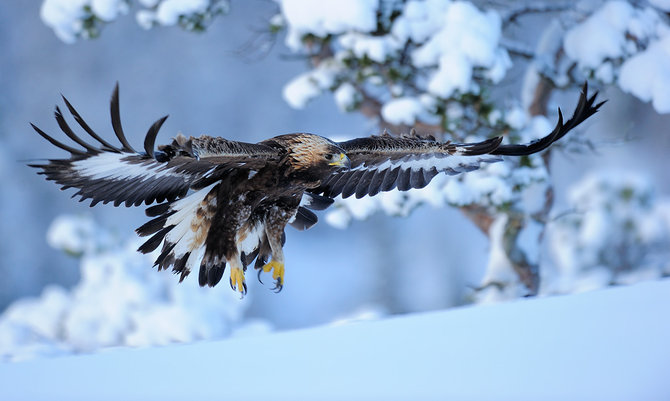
<point x="313" y="154"/>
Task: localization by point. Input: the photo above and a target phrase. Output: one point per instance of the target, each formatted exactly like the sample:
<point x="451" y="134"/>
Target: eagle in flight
<point x="221" y="202"/>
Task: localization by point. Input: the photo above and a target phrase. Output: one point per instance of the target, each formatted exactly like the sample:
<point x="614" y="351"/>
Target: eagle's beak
<point x="342" y="162"/>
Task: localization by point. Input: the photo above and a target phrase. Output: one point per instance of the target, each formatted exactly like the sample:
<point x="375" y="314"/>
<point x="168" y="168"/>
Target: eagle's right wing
<point x="382" y="163"/>
<point x="119" y="174"/>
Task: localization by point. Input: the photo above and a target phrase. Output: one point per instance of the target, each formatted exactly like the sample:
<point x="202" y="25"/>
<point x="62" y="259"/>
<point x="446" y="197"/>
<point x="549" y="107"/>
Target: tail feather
<point x="180" y="266"/>
<point x="182" y="226"/>
<point x="167" y="257"/>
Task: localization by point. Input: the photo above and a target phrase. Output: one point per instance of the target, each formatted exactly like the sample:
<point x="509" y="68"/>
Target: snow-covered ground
<point x="610" y="344"/>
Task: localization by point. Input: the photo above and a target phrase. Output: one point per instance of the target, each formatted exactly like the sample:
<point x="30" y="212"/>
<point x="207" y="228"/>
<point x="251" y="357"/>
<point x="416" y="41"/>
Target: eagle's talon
<point x="277" y="269"/>
<point x="259" y="276"/>
<point x="237" y="282"/>
<point x="278" y="287"/>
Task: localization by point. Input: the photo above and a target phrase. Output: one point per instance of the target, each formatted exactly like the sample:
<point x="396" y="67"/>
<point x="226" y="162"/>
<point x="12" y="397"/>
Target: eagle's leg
<point x="276" y="265"/>
<point x="275" y="222"/>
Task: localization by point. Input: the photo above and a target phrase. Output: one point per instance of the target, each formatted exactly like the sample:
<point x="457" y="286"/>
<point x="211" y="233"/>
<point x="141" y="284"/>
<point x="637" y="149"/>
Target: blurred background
<point x="215" y="83"/>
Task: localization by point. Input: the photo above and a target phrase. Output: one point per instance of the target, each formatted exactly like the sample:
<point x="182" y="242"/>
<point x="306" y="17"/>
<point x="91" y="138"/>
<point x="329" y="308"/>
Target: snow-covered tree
<point x="617" y="232"/>
<point x="435" y="66"/>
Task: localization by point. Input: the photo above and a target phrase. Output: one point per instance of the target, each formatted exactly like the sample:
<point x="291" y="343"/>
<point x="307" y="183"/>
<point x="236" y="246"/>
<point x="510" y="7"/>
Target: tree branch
<point x="511" y="16"/>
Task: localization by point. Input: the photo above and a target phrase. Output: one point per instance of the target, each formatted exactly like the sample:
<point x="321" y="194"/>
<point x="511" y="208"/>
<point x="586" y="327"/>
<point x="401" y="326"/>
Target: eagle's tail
<point x="182" y="227"/>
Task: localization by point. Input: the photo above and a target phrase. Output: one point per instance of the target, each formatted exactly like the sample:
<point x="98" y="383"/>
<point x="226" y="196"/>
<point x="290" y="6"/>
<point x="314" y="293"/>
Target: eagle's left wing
<point x="382" y="163"/>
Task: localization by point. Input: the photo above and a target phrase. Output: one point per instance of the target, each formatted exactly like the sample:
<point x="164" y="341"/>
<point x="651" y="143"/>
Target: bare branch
<point x="517" y="48"/>
<point x="541" y="94"/>
<point x="511" y="16"/>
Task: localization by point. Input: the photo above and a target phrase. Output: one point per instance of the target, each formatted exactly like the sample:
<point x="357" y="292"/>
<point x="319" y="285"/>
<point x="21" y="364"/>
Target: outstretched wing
<point x="382" y="163"/>
<point x="119" y="174"/>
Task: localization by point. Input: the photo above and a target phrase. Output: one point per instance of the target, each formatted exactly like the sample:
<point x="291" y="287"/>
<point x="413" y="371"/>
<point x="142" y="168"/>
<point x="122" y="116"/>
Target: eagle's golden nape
<point x="222" y="203"/>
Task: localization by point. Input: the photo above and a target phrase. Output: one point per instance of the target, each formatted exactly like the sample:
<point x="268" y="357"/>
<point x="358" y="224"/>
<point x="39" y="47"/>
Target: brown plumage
<point x="225" y="203"/>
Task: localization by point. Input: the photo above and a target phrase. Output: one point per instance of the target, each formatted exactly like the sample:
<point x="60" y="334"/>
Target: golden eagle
<point x="226" y="202"/>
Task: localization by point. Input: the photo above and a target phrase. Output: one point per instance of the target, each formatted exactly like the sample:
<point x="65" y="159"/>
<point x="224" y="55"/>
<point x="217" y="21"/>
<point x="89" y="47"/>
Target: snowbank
<point x="609" y="344"/>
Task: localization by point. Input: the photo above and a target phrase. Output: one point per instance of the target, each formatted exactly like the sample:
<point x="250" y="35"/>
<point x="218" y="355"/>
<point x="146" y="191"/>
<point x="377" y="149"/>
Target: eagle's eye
<point x="329" y="156"/>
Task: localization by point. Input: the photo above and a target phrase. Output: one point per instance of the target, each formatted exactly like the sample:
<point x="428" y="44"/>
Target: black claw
<point x="259" y="276"/>
<point x="244" y="284"/>
<point x="230" y="280"/>
<point x="278" y="286"/>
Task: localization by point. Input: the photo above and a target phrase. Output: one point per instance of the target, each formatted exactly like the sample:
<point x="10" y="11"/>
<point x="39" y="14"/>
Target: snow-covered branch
<point x="74" y="19"/>
<point x="628" y="45"/>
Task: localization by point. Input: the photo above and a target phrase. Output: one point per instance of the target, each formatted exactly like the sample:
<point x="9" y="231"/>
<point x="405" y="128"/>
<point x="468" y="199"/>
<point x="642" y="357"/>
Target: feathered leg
<point x="275" y="222"/>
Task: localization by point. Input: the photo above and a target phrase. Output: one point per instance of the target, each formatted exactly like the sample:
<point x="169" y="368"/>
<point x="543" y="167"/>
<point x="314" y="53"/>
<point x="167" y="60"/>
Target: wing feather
<point x="376" y="182"/>
<point x="123" y="176"/>
<point x="390" y="179"/>
<point x="381" y="163"/>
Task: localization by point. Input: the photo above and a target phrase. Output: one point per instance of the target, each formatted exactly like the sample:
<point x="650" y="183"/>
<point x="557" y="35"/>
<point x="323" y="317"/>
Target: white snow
<point x="454" y="73"/>
<point x="608" y="344"/>
<point x="300" y="90"/>
<point x="500" y="278"/>
<point x="601" y="36"/>
<point x="626" y="44"/>
<point x="326" y="17"/>
<point x="120" y="301"/>
<point x="169" y="11"/>
<point x="516" y="118"/>
<point x="303" y="88"/>
<point x="346" y="97"/>
<point x="66" y="17"/>
<point x="619" y="232"/>
<point x="376" y="48"/>
<point x="404" y="110"/>
<point x="420" y="20"/>
<point x="72" y="234"/>
<point x="647" y="75"/>
<point x="462" y="38"/>
<point x="605" y="73"/>
<point x="465" y="30"/>
<point x="63" y="16"/>
<point x="145" y="18"/>
<point x="108" y="10"/>
<point x="338" y="217"/>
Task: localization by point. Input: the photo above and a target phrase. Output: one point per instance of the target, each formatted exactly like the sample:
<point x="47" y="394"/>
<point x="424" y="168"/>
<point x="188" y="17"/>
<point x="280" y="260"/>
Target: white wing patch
<point x="113" y="166"/>
<point x="451" y="164"/>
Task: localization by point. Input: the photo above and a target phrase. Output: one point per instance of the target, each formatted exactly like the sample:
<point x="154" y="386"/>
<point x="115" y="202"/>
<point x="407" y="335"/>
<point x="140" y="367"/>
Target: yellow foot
<point x="277" y="273"/>
<point x="237" y="280"/>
